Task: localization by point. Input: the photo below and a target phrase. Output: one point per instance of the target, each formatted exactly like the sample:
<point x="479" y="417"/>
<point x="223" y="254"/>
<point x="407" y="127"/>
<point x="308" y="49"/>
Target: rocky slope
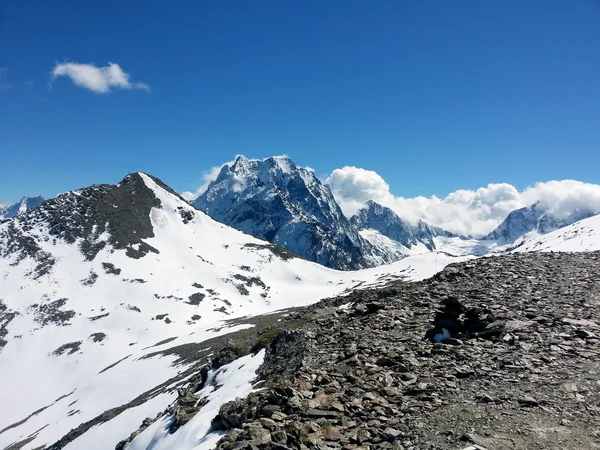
<point x="497" y="353"/>
<point x="114" y="293"/>
<point x="20" y="207"/>
<point x="373" y="216"/>
<point x="275" y="200"/>
<point x="532" y="218"/>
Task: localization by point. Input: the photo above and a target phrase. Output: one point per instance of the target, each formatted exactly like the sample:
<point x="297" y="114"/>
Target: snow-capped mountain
<point x="373" y="216"/>
<point x="581" y="236"/>
<point x="20" y="207"/>
<point x="275" y="200"/>
<point x="107" y="294"/>
<point x="532" y="218"/>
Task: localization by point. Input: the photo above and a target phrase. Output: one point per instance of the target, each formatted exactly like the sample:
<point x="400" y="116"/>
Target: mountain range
<point x="533" y="218"/>
<point x="20" y="207"/>
<point x="124" y="304"/>
<point x="277" y="201"/>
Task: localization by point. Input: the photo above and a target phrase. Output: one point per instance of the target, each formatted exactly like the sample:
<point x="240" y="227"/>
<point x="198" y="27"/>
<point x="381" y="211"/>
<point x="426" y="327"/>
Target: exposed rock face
<point x="534" y="217"/>
<point x="518" y="368"/>
<point x="380" y="218"/>
<point x="275" y="200"/>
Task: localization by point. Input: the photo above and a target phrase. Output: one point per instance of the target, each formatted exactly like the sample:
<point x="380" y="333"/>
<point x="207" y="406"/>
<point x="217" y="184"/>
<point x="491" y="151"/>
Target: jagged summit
<point x="382" y="219"/>
<point x="275" y="200"/>
<point x="533" y="218"/>
<point x="281" y="164"/>
<point x="23" y="205"/>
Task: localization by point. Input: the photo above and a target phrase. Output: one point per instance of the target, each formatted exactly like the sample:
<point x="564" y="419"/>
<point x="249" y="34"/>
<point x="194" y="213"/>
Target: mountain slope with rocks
<point x="495" y="353"/>
<point x="534" y="218"/>
<point x="20" y="207"/>
<point x="580" y="236"/>
<point x="275" y="200"/>
<point x="373" y="216"/>
<point x="115" y="295"/>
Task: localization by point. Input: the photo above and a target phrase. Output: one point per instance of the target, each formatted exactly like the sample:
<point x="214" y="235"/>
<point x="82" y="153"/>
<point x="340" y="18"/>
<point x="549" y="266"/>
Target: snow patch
<point x="234" y="380"/>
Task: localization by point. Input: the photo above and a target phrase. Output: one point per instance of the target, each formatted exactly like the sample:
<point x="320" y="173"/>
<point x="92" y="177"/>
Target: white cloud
<point x="98" y="79"/>
<point x="464" y="211"/>
<point x="207" y="177"/>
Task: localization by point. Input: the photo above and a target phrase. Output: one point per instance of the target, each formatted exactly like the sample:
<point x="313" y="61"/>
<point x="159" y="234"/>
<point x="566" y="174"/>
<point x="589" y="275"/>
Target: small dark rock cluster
<point x="110" y="268"/>
<point x="6" y="315"/>
<point x="195" y="298"/>
<point x="69" y="348"/>
<point x="186" y="214"/>
<point x="98" y="337"/>
<point x="90" y="279"/>
<point x="52" y="312"/>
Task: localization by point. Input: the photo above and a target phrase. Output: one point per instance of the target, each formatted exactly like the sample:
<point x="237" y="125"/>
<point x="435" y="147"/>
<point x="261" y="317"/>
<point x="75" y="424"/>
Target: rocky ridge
<point x="520" y="369"/>
<point x="494" y="353"/>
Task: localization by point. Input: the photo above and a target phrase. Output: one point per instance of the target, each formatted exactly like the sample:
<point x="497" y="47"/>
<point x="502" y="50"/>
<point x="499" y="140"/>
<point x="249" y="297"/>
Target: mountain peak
<point x="385" y="221"/>
<point x="372" y="204"/>
<point x="240" y="165"/>
<point x="284" y="163"/>
<point x="535" y="217"/>
<point x="275" y="200"/>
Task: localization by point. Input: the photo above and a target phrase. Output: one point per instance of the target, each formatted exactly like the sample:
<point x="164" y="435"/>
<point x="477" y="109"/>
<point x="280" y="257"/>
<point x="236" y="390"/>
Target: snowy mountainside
<point x="386" y="245"/>
<point x="376" y="217"/>
<point x="275" y="200"/>
<point x="581" y="236"/>
<point x="20" y="207"/>
<point x="532" y="218"/>
<point x="96" y="281"/>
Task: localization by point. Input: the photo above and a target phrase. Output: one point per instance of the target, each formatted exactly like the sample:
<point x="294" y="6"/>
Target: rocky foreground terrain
<point x="521" y="369"/>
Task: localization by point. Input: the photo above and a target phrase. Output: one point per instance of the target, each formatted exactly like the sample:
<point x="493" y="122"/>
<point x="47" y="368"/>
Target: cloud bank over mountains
<point x="464" y="211"/>
<point x="467" y="212"/>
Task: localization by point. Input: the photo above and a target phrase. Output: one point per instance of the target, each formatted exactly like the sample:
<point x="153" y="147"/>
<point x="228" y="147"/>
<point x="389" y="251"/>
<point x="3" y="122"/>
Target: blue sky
<point x="432" y="95"/>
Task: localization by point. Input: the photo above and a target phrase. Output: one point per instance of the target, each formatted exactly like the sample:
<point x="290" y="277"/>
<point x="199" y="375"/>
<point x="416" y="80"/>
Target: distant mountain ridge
<point x="21" y="207"/>
<point x="382" y="219"/>
<point x="275" y="200"/>
<point x="532" y="218"/>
